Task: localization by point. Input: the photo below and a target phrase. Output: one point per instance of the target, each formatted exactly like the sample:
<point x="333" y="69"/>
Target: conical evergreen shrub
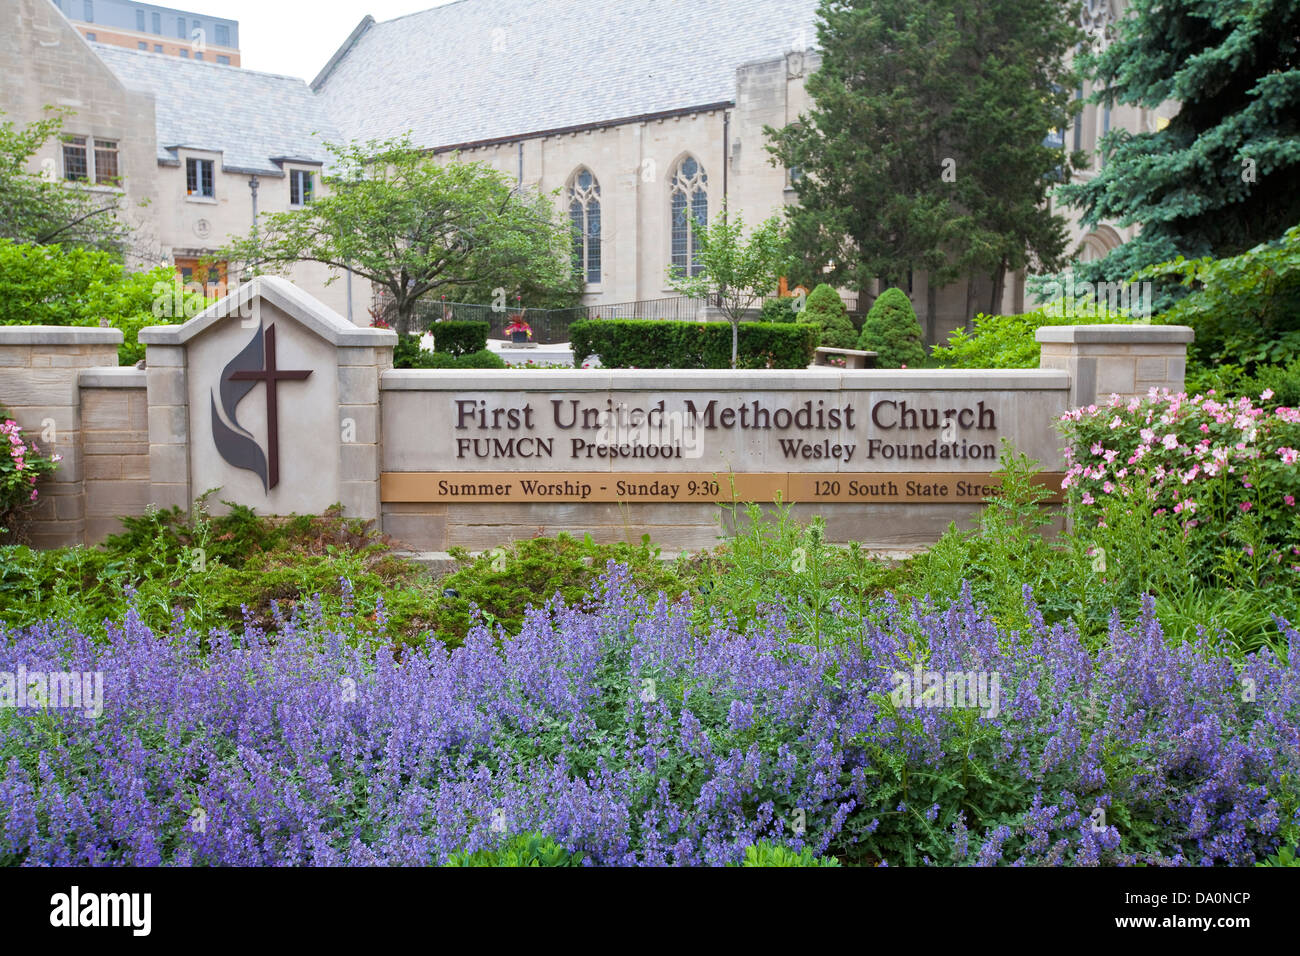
<point x="826" y="310"/>
<point x="892" y="331"/>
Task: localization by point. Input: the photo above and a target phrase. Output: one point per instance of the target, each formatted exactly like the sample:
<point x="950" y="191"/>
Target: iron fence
<point x="551" y="326"/>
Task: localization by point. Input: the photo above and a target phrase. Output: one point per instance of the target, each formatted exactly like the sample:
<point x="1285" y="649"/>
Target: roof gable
<point x="254" y="120"/>
<point x="477" y="70"/>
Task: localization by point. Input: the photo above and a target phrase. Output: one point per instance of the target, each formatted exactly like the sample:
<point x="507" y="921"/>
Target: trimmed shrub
<point x="892" y="332"/>
<point x="636" y="343"/>
<point x="826" y="310"/>
<point x="409" y="354"/>
<point x="459" y="338"/>
<point x="779" y="310"/>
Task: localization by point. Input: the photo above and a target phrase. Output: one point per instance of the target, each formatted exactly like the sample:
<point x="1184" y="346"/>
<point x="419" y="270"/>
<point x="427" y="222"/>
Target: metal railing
<point x="551" y="326"/>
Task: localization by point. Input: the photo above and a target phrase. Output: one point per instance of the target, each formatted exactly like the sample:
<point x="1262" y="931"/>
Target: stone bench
<point x="853" y="358"/>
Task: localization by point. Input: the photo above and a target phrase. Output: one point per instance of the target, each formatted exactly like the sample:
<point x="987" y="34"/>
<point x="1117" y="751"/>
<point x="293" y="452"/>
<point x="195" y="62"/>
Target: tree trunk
<point x="735" y="341"/>
<point x="931" y="320"/>
<point x="999" y="279"/>
<point x="970" y="302"/>
<point x="405" y="315"/>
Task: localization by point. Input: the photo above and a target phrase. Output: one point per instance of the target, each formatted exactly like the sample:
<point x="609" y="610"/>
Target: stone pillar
<point x="167" y="388"/>
<point x="1125" y="360"/>
<point x="39" y="370"/>
<point x="360" y="427"/>
<point x="115" y="448"/>
<point x="303" y="435"/>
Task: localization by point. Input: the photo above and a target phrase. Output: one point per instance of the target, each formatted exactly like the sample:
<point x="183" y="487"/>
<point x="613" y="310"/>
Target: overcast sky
<point x="297" y="37"/>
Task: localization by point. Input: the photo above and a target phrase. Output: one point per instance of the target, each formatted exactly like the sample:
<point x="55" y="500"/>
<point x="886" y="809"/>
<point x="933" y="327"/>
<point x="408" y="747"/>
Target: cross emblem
<point x="271" y="374"/>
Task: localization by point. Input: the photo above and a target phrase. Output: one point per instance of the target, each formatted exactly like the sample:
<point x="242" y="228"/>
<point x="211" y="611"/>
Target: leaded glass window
<point x="690" y="201"/>
<point x="584" y="215"/>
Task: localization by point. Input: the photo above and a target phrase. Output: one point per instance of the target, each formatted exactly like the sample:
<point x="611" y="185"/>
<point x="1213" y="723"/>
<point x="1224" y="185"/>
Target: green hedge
<point x="409" y="354"/>
<point x="635" y="343"/>
<point x="459" y="338"/>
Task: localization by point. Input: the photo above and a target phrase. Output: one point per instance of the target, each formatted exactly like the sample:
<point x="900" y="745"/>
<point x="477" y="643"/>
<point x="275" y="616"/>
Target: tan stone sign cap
<point x="58" y="335"/>
<point x="293" y="301"/>
<point x="1116" y="334"/>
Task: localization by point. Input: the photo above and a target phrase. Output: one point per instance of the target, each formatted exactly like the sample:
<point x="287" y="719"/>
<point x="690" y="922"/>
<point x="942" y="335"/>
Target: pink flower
<point x="1288" y="455"/>
<point x="1266" y="394"/>
<point x="1290" y="501"/>
<point x="1245" y="506"/>
<point x="1170" y="441"/>
<point x="33" y="497"/>
<point x="1087" y="498"/>
<point x="1096" y="448"/>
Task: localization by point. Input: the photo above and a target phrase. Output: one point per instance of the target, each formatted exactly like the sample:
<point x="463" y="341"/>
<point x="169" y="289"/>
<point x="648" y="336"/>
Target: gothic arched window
<point x="584" y="214"/>
<point x="690" y="201"/>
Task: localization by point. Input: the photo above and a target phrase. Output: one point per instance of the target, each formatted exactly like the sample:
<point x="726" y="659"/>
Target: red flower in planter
<point x="518" y="325"/>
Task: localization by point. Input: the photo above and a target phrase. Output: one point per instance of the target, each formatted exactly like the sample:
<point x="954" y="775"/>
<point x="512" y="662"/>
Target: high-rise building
<point x="153" y="29"/>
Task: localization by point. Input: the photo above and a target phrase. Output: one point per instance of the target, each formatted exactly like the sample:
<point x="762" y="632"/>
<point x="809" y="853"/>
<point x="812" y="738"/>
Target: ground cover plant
<point x="225" y="570"/>
<point x="563" y="702"/>
<point x="622" y="732"/>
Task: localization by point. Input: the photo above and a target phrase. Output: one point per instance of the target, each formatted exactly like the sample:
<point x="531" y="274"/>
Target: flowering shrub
<point x="621" y="732"/>
<point x="22" y="465"/>
<point x="1225" y="471"/>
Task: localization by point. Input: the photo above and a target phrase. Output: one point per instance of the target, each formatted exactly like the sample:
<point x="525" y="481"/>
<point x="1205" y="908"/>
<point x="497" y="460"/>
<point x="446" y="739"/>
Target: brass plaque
<point x="605" y="487"/>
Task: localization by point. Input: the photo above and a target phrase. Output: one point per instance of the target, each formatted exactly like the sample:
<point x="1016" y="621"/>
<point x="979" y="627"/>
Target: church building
<point x="637" y="115"/>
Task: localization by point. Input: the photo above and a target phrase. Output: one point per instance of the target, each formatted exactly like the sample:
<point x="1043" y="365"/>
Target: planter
<point x="519" y="338"/>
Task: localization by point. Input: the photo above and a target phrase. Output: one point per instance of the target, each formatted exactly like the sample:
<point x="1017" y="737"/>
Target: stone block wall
<point x="115" y="445"/>
<point x="40" y="370"/>
<point x="1124" y="360"/>
<point x="127" y="438"/>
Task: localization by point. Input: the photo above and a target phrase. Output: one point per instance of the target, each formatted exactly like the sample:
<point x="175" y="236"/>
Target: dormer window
<point x="300" y="187"/>
<point x="199" y="178"/>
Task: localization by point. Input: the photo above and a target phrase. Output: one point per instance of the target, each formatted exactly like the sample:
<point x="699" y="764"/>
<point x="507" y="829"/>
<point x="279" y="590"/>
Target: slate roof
<point x="477" y="70"/>
<point x="251" y="118"/>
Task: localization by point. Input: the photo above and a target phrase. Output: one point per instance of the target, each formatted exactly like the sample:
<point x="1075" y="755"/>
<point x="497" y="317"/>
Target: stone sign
<point x="275" y="402"/>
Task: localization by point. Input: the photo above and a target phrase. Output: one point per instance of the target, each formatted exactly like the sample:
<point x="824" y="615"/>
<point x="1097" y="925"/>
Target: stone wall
<point x="436" y="459"/>
<point x="1123" y="360"/>
<point x="40" y="371"/>
<point x="115" y="446"/>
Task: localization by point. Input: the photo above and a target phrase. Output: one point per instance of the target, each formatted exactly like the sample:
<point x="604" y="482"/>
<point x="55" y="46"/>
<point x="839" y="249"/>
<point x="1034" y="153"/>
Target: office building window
<point x="139" y="20"/>
<point x="90" y="37"/>
<point x="76" y="166"/>
<point x="223" y="60"/>
<point x="88" y="8"/>
<point x="180" y="27"/>
<point x="199" y="55"/>
<point x="185" y="54"/>
<point x="300" y="187"/>
<point x="141" y="45"/>
<point x="157" y="47"/>
<point x="106" y="162"/>
<point x="155" y="20"/>
<point x="199" y="178"/>
<point x="223" y="35"/>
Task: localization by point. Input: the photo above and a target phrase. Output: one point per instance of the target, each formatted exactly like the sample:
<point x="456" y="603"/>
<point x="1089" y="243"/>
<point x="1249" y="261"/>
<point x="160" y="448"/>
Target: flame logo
<point x="234" y="442"/>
